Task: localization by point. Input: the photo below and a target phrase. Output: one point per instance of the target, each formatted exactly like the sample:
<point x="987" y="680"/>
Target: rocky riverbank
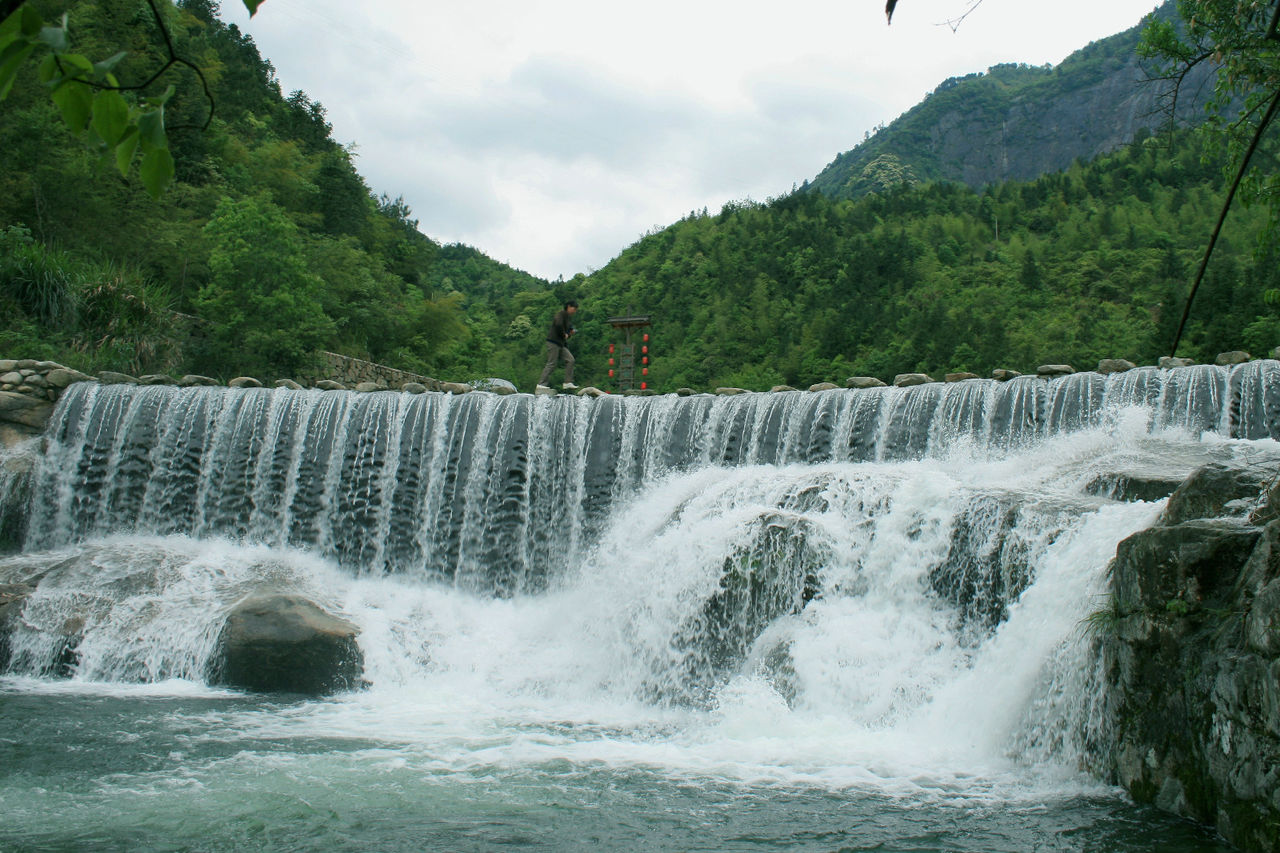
<point x="1192" y="645"/>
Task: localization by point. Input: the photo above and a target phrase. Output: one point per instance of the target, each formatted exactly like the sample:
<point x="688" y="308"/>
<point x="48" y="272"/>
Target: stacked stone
<point x="351" y="372"/>
<point x="28" y="390"/>
<point x="43" y="380"/>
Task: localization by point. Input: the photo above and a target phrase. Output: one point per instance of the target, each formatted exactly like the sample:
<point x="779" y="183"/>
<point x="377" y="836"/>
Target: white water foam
<point x="872" y="684"/>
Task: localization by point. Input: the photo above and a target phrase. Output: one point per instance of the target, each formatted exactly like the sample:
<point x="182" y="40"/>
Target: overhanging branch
<point x="1226" y="206"/>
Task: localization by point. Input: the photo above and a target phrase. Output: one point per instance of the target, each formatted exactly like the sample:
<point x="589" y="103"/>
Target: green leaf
<point x="27" y="20"/>
<point x="76" y="65"/>
<point x="10" y="61"/>
<point x="76" y="103"/>
<point x="49" y="70"/>
<point x="252" y="6"/>
<point x="24" y="23"/>
<point x="125" y="149"/>
<point x="110" y="116"/>
<point x="151" y="128"/>
<point x="156" y="171"/>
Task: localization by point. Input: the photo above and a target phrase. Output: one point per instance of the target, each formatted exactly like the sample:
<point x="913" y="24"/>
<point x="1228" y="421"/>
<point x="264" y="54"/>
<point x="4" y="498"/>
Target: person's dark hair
<point x="571" y="304"/>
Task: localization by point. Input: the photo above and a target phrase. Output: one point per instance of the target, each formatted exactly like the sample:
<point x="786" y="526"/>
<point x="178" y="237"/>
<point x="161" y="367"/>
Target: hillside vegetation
<point x="1075" y="266"/>
<point x="268" y="246"/>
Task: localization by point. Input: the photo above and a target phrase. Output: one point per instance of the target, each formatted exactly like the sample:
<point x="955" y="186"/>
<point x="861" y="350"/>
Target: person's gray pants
<point x="554" y="353"/>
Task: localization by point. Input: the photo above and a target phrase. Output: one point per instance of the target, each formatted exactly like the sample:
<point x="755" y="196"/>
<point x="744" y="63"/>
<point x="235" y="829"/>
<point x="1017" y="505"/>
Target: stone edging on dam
<point x="30" y="388"/>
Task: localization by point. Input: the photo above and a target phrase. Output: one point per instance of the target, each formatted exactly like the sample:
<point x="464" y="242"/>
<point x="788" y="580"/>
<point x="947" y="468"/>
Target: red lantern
<point x="644" y="385"/>
<point x="610" y="349"/>
<point x="644" y="360"/>
<point x="611" y="373"/>
<point x="644" y="349"/>
<point x="646" y="337"/>
<point x="644" y="371"/>
<point x="611" y="362"/>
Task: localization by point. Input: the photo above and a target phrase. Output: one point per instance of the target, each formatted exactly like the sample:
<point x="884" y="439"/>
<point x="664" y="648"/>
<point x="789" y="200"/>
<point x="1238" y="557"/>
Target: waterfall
<point x="503" y="494"/>
<point x="890" y="574"/>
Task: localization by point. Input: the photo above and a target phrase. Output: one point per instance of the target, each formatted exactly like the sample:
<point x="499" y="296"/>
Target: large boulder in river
<point x="1213" y="491"/>
<point x="1191" y="641"/>
<point x="288" y="644"/>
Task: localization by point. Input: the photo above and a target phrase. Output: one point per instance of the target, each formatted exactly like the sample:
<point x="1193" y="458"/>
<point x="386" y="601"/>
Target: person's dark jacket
<point x="561" y="328"/>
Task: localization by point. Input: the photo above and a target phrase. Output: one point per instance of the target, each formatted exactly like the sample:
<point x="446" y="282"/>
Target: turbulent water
<point x="830" y="621"/>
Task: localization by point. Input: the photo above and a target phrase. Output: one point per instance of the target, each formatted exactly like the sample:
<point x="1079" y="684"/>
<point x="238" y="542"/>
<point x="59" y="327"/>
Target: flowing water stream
<point x="818" y="622"/>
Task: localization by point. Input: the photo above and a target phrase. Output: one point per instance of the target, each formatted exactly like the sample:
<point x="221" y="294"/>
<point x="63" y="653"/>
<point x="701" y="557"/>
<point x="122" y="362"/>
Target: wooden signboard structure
<point x="623" y="373"/>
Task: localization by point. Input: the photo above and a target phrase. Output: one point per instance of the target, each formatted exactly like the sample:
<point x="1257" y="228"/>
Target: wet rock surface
<point x="1193" y="656"/>
<point x="286" y="643"/>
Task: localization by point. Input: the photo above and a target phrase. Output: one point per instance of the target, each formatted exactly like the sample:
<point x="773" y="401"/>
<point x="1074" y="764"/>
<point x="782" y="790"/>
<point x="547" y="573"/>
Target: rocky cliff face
<point x="1193" y="657"/>
<point x="1017" y="122"/>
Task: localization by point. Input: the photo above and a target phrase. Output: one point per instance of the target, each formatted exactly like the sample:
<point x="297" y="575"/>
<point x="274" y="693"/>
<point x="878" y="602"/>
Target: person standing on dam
<point x="558" y="348"/>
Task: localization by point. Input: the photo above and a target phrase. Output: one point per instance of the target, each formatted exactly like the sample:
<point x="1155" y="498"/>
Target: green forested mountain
<point x="268" y="246"/>
<point x="1017" y="122"/>
<point x="1074" y="266"/>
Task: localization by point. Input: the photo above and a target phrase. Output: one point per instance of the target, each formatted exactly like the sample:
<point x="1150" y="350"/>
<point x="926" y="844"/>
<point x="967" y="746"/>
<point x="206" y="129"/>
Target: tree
<point x="124" y="119"/>
<point x="1241" y="37"/>
<point x="262" y="305"/>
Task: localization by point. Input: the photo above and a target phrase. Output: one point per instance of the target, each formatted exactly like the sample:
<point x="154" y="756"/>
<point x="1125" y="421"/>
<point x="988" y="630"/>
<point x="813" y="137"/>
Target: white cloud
<point x="551" y="135"/>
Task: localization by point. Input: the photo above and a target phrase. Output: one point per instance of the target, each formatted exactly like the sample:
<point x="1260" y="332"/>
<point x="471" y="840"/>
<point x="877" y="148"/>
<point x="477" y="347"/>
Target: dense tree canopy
<point x="354" y="273"/>
<point x="1072" y="267"/>
<point x="269" y="245"/>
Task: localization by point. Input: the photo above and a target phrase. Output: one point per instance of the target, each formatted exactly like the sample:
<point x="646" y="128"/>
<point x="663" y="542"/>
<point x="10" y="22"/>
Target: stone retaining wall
<point x="352" y="371"/>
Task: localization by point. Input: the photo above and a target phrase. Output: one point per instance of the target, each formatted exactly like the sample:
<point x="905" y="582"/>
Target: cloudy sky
<point x="551" y="134"/>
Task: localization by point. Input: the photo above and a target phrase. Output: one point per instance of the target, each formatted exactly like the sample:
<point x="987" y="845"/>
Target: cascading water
<point x="811" y="621"/>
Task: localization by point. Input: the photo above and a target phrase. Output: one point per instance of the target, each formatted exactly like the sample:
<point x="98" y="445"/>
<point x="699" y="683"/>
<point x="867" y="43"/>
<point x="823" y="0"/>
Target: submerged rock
<point x="864" y="382"/>
<point x="1132" y="486"/>
<point x="907" y="380"/>
<point x="285" y="643"/>
<point x="961" y="376"/>
<point x="823" y="386"/>
<point x="12" y="598"/>
<point x="1001" y="374"/>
